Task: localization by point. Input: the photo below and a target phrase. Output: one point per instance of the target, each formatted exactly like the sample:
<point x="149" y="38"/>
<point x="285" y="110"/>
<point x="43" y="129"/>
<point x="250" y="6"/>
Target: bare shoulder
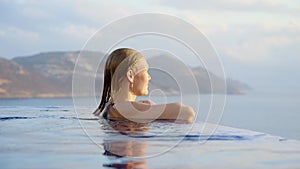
<point x="140" y="110"/>
<point x="132" y="106"/>
<point x="147" y="101"/>
<point x="144" y="105"/>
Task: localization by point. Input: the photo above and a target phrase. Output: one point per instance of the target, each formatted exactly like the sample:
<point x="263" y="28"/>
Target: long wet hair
<point x="112" y="63"/>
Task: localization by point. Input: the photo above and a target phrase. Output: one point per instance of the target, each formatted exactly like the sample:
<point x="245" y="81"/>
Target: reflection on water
<point x="52" y="137"/>
<point x="127" y="152"/>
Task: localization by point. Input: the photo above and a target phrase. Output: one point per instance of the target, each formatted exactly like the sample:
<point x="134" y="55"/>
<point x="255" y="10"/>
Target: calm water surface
<point x="47" y="133"/>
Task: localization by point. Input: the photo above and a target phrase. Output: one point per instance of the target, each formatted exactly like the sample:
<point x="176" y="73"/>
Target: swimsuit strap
<point x="107" y="109"/>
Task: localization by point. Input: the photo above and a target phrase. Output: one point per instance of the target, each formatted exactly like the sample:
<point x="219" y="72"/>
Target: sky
<point x="258" y="41"/>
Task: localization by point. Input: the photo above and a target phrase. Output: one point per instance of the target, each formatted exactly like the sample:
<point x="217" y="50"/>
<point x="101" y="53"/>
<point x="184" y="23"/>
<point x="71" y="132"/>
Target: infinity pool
<point x="55" y="137"/>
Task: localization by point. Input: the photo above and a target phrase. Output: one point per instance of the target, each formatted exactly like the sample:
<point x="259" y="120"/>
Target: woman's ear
<point x="129" y="76"/>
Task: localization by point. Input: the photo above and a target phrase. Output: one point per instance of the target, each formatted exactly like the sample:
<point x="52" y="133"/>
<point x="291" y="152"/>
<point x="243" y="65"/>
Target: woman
<point x="126" y="77"/>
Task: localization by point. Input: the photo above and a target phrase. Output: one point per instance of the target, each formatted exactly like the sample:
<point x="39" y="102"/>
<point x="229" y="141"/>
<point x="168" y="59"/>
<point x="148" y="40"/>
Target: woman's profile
<point x="126" y="77"/>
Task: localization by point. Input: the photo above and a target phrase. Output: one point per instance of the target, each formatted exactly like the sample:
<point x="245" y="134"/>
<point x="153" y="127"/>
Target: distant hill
<point x="16" y="81"/>
<point x="184" y="78"/>
<point x="49" y="74"/>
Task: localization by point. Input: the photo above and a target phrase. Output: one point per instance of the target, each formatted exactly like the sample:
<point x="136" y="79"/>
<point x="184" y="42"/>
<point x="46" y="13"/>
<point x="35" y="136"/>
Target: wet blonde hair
<point x="116" y="67"/>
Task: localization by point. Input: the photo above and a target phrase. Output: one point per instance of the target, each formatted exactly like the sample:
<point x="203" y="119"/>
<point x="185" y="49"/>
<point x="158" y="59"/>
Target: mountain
<point x="16" y="81"/>
<point x="171" y="75"/>
<point x="50" y="74"/>
<point x="58" y="68"/>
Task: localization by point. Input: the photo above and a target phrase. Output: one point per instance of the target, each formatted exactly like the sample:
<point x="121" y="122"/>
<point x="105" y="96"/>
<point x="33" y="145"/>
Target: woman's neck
<point x="130" y="98"/>
<point x="125" y="95"/>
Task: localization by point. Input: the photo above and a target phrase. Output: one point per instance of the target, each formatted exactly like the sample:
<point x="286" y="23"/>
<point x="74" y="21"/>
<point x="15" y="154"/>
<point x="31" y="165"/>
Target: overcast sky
<point x="257" y="41"/>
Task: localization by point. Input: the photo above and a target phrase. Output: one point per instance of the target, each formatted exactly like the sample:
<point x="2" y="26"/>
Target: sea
<point x="233" y="131"/>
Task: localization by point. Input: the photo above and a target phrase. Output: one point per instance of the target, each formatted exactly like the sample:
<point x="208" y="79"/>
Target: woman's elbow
<point x="190" y="112"/>
<point x="186" y="113"/>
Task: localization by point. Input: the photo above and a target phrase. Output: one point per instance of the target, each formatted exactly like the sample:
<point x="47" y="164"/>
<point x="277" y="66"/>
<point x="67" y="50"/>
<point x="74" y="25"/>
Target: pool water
<point x="56" y="137"/>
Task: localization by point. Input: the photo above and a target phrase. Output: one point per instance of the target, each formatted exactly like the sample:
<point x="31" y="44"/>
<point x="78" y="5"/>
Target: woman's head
<point x="126" y="70"/>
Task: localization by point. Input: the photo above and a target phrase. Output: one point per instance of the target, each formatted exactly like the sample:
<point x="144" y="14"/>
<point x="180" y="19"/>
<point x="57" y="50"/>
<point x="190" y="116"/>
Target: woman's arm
<point x="147" y="101"/>
<point x="146" y="111"/>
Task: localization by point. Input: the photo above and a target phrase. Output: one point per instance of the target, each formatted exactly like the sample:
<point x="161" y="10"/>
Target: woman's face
<point x="140" y="83"/>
